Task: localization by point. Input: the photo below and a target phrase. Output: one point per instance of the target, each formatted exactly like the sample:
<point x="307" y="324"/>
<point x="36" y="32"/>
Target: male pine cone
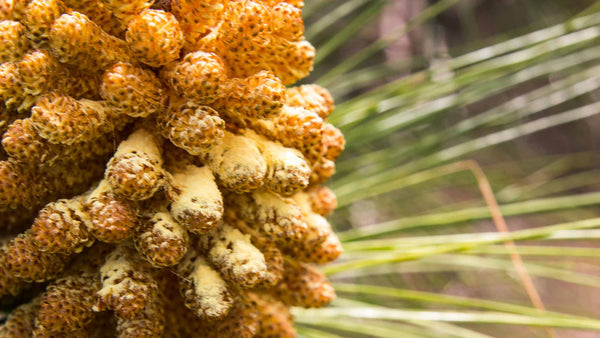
<point x="157" y="177"/>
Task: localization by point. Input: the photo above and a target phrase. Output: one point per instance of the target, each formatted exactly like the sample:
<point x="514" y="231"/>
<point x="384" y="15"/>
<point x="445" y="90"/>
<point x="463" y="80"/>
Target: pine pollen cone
<point x="159" y="174"/>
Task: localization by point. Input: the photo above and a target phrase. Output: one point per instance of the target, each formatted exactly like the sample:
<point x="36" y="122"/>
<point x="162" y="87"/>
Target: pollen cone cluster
<point x="159" y="174"/>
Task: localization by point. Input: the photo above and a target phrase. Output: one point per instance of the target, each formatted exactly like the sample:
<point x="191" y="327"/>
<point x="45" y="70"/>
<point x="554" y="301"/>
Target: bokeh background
<point x="471" y="125"/>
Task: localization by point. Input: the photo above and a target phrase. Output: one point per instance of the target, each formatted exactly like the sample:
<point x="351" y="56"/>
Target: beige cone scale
<point x="160" y="176"/>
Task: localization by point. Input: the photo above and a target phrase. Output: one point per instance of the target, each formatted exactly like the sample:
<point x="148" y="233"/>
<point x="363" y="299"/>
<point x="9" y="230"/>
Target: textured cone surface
<point x="62" y="227"/>
<point x="21" y="321"/>
<point x="157" y="178"/>
<point x="13" y="42"/>
<point x="23" y="260"/>
<point x="303" y="285"/>
<point x="113" y="219"/>
<point x="203" y="289"/>
<point x="233" y="253"/>
<point x="135" y="90"/>
<point x="128" y="286"/>
<point x="135" y="171"/>
<point x="275" y="318"/>
<point x="154" y="37"/>
<point x="162" y="241"/>
<point x="66" y="306"/>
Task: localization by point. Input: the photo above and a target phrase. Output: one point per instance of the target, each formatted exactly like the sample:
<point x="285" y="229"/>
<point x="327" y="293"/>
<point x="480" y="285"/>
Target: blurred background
<point x="469" y="189"/>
